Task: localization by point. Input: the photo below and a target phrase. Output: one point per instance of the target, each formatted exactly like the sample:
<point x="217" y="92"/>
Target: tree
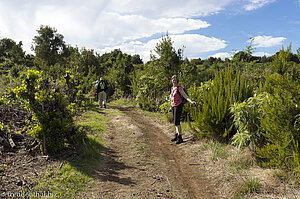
<point x="136" y="59"/>
<point x="154" y="81"/>
<point x="166" y="64"/>
<point x="88" y="59"/>
<point x="119" y="73"/>
<point x="169" y="59"/>
<point x="49" y="47"/>
<point x="11" y="50"/>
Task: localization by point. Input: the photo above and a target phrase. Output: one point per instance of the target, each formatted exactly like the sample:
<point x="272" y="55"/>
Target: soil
<point x="20" y="155"/>
<point x="146" y="163"/>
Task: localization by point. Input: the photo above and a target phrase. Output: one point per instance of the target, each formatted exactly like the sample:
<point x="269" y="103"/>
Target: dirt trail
<point x="142" y="162"/>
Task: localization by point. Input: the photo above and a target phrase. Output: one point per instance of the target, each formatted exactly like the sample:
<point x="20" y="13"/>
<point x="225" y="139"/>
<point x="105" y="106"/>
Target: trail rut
<point x="146" y="164"/>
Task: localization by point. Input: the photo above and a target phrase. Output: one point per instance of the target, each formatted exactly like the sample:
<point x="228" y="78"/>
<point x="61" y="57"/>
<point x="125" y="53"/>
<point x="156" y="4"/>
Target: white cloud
<point x="194" y="45"/>
<point x="222" y="55"/>
<point x="261" y="54"/>
<point x="168" y="8"/>
<point x="106" y="24"/>
<point x="100" y="24"/>
<point x="255" y="4"/>
<point x="267" y="41"/>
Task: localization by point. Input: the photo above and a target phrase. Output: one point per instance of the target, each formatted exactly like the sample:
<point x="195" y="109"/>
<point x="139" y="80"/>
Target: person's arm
<point x="170" y="100"/>
<point x="185" y="96"/>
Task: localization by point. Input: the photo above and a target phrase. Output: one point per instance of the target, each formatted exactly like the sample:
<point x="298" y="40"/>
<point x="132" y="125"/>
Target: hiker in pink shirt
<point x="177" y="105"/>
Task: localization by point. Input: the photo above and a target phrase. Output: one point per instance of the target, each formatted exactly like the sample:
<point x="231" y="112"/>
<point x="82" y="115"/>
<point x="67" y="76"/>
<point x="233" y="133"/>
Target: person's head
<point x="97" y="81"/>
<point x="101" y="79"/>
<point x="174" y="79"/>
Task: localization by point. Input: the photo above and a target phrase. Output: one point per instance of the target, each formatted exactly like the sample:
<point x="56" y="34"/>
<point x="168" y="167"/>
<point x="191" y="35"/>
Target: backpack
<point x="101" y="86"/>
<point x="182" y="98"/>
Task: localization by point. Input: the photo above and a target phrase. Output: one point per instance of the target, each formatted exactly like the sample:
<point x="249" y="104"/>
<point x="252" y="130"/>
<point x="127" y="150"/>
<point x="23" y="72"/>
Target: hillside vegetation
<point x="244" y="101"/>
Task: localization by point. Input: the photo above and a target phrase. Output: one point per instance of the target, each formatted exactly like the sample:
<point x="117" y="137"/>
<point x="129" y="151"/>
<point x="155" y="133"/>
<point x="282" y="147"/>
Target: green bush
<point x="246" y="118"/>
<point x="50" y="109"/>
<point x="149" y="93"/>
<point x="281" y="62"/>
<point x="212" y="115"/>
<point x="281" y="123"/>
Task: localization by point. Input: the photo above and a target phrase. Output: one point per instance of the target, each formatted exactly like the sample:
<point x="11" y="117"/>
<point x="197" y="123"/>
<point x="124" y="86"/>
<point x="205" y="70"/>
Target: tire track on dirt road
<point x="189" y="181"/>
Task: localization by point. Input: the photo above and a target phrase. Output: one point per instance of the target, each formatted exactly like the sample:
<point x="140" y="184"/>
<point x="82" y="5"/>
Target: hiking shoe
<point x="175" y="138"/>
<point x="179" y="139"/>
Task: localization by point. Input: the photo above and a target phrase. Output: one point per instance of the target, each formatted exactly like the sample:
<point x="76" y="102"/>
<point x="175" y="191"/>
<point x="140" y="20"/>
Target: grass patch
<point x="64" y="182"/>
<point x="217" y="149"/>
<point x="93" y="119"/>
<point x="74" y="173"/>
<point x="125" y="102"/>
<point x="251" y="185"/>
<point x="184" y="127"/>
<point x="238" y="163"/>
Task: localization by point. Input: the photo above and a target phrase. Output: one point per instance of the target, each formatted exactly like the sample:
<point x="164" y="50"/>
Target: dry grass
<point x="236" y="173"/>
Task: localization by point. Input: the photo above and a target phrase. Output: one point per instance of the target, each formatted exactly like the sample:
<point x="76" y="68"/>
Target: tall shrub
<point x="281" y="123"/>
<point x="281" y="62"/>
<point x="212" y="116"/>
<point x="50" y="109"/>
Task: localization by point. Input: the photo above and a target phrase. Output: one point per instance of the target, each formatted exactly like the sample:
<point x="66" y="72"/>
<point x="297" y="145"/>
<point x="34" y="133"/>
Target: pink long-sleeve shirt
<point x="175" y="96"/>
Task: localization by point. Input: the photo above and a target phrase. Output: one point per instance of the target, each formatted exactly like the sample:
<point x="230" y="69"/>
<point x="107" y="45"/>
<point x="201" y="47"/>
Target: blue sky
<point x="205" y="28"/>
<point x="272" y="26"/>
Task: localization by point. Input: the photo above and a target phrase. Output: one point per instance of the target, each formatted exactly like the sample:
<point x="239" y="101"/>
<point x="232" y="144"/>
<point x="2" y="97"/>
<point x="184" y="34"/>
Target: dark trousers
<point x="177" y="110"/>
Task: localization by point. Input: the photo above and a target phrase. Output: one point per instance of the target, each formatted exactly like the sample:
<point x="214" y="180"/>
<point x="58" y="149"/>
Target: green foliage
<point x="50" y="109"/>
<point x="251" y="185"/>
<point x="164" y="108"/>
<point x="12" y="51"/>
<point x="18" y="71"/>
<point x="169" y="59"/>
<point x="246" y="118"/>
<point x="153" y="83"/>
<point x="281" y="123"/>
<point x="205" y="72"/>
<point x="187" y="73"/>
<point x="64" y="181"/>
<point x="119" y="74"/>
<point x="88" y="61"/>
<point x="212" y="116"/>
<point x="49" y="47"/>
<point x="146" y="96"/>
<point x="270" y="119"/>
<point x="281" y="61"/>
<point x="216" y="149"/>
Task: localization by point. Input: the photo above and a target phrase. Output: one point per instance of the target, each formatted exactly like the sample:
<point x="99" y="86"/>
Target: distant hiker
<point x="177" y="92"/>
<point x="96" y="94"/>
<point x="101" y="90"/>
